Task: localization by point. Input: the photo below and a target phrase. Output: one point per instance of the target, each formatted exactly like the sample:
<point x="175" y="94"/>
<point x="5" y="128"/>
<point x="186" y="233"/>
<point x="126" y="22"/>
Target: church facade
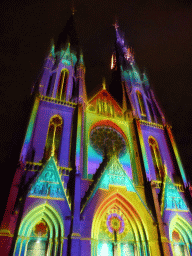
<point x="99" y="176"/>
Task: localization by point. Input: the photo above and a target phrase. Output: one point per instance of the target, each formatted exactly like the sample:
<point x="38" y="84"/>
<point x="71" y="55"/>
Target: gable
<point x="104" y="102"/>
<point x="112" y="174"/>
<point x="48" y="184"/>
<point x="115" y="175"/>
<point x="172" y="199"/>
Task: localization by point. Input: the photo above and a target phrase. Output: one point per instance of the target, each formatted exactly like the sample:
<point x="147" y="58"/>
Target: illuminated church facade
<point x="99" y="176"/>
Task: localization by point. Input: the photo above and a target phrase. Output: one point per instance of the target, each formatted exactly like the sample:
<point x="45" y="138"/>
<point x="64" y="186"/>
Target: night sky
<point x="160" y="32"/>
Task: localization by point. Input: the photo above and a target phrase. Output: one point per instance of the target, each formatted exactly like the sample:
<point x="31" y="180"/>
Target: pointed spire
<point x="118" y="37"/>
<point x="68" y="33"/>
<point x="73" y="8"/>
<point x="116" y="25"/>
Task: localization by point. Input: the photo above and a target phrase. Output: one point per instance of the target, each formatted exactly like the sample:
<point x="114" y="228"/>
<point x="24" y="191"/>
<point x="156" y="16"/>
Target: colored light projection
<point x="94" y="160"/>
<point x="143" y="149"/>
<point x="49" y="183"/>
<point x="178" y="244"/>
<point x="172" y="198"/>
<point x="114" y="238"/>
<point x="115" y="174"/>
<point x="177" y="155"/>
<point x="79" y="139"/>
<point x="115" y="223"/>
<point x="180" y="233"/>
<point x="30" y="128"/>
<point x="38" y="242"/>
<point x="116" y="229"/>
<point x="107" y="139"/>
<point x="41" y="233"/>
<point x="66" y="56"/>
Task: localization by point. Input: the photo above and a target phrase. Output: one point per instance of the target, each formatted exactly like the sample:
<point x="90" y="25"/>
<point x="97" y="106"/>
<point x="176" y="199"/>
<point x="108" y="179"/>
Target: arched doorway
<point x="180" y="233"/>
<point x="117" y="229"/>
<point x="41" y="233"/>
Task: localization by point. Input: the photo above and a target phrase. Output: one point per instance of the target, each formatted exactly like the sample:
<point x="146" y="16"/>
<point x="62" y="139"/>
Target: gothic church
<point x="99" y="176"/>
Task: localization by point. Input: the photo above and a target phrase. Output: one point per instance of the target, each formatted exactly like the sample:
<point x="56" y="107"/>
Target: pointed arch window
<point x="62" y="86"/>
<point x="141" y="103"/>
<point x="53" y="137"/>
<point x="156" y="156"/>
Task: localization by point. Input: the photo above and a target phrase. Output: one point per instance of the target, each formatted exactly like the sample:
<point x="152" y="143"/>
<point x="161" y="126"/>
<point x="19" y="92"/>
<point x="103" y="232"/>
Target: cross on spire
<point x="116" y="25"/>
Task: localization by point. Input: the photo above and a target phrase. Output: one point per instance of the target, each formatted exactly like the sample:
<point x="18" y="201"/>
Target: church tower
<point x="99" y="176"/>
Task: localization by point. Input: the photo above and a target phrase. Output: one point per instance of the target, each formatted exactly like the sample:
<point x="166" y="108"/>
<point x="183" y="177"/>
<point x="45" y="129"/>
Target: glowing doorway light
<point x="127" y="250"/>
<point x="179" y="250"/>
<point x="37" y="248"/>
<point x="105" y="249"/>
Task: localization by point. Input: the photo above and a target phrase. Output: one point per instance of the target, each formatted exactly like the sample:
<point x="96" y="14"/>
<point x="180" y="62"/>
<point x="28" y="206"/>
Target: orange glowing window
<point x="176" y="236"/>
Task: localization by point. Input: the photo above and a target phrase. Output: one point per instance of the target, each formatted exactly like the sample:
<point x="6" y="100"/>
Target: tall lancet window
<point x="141" y="103"/>
<point x="156" y="156"/>
<point x="53" y="137"/>
<point x="62" y="86"/>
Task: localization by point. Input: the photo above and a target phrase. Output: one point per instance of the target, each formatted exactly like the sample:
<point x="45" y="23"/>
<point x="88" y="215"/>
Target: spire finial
<point x="104" y="84"/>
<point x="73" y="8"/>
<point x="116" y="24"/>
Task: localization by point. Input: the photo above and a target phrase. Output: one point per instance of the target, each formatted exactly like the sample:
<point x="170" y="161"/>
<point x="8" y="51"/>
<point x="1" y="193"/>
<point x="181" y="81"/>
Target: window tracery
<point x="62" y="86"/>
<point x="141" y="103"/>
<point x="116" y="236"/>
<point x="105" y="107"/>
<point x="53" y="137"/>
<point x="156" y="157"/>
<point x="117" y="230"/>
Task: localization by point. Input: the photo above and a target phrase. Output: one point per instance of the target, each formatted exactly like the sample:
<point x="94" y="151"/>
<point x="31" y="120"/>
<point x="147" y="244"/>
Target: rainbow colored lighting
<point x="97" y="177"/>
<point x="177" y="156"/>
<point x="30" y="129"/>
<point x="143" y="148"/>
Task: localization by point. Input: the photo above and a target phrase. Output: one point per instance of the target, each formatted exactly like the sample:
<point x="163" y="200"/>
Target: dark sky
<point x="160" y="33"/>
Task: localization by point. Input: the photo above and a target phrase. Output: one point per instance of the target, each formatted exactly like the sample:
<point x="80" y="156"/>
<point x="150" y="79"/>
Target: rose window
<point x="107" y="140"/>
<point x="115" y="223"/>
